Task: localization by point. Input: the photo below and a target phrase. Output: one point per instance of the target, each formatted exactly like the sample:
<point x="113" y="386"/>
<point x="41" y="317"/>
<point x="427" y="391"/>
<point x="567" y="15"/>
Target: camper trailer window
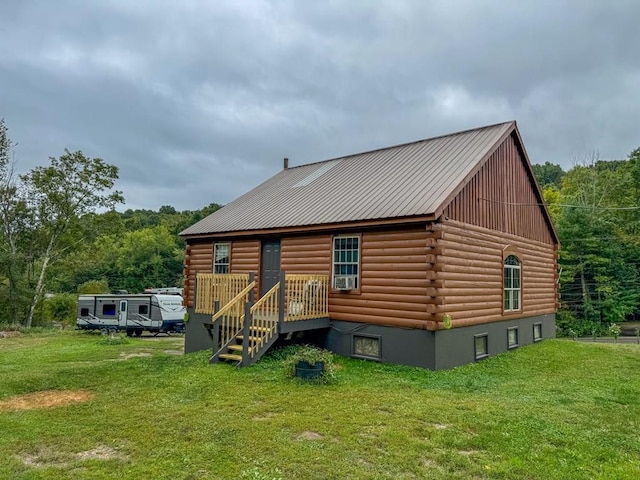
<point x="143" y="309"/>
<point x="84" y="312"/>
<point x="109" y="309"/>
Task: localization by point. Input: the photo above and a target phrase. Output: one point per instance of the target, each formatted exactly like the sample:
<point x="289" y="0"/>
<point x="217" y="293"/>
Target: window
<point x="109" y="309"/>
<point x="512" y="289"/>
<point x="84" y="312"/>
<point x="346" y="259"/>
<point x="221" y="257"/>
<point x="512" y="337"/>
<point x="537" y="332"/>
<point x="481" y="345"/>
<point x="366" y="347"/>
<point x="143" y="309"/>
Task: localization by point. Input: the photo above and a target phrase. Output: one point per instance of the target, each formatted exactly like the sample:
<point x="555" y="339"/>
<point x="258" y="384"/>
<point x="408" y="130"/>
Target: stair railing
<point x="264" y="314"/>
<point x="232" y="316"/>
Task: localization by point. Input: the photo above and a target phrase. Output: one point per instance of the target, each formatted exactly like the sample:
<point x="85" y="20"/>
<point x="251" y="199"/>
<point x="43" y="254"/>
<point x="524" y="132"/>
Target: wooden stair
<point x="233" y="351"/>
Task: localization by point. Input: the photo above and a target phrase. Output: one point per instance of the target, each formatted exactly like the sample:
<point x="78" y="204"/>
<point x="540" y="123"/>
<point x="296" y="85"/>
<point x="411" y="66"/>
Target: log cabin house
<point x="434" y="253"/>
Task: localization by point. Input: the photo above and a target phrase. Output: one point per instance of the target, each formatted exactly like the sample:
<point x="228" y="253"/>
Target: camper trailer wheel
<point x="138" y="332"/>
<point x="129" y="332"/>
<point x="104" y="331"/>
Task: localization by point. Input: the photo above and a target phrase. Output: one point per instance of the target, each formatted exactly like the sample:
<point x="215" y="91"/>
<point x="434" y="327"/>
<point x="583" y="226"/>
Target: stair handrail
<point x="264" y="327"/>
<point x="238" y="298"/>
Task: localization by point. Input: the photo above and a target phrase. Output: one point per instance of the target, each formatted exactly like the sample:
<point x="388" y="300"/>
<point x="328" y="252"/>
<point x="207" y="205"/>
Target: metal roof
<point x="401" y="181"/>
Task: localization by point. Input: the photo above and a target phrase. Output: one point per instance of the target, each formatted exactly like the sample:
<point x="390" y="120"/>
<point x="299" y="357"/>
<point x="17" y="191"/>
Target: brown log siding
<point x="392" y="281"/>
<point x="501" y="197"/>
<point x="198" y="258"/>
<point x="469" y="272"/>
<point x="245" y="258"/>
<point x="306" y="255"/>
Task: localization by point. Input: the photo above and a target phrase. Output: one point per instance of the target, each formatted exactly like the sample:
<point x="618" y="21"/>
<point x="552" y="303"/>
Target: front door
<point x="270" y="268"/>
<point x="122" y="315"/>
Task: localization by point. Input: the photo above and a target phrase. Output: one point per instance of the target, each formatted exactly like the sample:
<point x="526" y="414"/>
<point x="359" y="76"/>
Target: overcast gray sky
<point x="198" y="101"/>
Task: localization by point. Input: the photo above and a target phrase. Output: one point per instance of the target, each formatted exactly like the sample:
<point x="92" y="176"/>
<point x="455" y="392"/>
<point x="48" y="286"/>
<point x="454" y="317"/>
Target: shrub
<point x="60" y="309"/>
<point x="94" y="287"/>
<point x="311" y="355"/>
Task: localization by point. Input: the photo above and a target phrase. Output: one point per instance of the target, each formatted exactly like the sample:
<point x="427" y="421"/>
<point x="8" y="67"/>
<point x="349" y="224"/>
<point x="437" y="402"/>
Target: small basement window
<point x="366" y="347"/>
<point x="143" y="309"/>
<point x="537" y="332"/>
<point x="84" y="312"/>
<point x="109" y="309"/>
<point x="481" y="345"/>
<point x="512" y="337"/>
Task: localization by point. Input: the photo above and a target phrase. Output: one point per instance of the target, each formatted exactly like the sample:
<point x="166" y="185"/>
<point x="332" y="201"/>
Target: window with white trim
<point x="221" y="257"/>
<point x="346" y="259"/>
<point x="512" y="284"/>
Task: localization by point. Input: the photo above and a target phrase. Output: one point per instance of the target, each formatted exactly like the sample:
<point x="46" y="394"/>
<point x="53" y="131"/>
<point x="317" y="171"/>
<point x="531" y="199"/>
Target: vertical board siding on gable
<point x="470" y="271"/>
<point x="501" y="197"/>
<point x="198" y="258"/>
<point x="393" y="281"/>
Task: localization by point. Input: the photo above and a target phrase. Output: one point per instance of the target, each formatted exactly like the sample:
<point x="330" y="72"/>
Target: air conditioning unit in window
<point x="344" y="282"/>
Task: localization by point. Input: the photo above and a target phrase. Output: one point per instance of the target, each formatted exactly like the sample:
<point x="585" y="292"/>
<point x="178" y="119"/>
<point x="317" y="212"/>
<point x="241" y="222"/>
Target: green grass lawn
<point x="556" y="409"/>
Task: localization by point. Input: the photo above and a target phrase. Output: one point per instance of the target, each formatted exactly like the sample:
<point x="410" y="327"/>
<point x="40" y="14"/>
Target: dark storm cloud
<point x="197" y="102"/>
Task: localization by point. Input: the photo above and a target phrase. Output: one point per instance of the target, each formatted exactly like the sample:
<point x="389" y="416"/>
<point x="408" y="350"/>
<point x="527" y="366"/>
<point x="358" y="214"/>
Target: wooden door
<point x="270" y="265"/>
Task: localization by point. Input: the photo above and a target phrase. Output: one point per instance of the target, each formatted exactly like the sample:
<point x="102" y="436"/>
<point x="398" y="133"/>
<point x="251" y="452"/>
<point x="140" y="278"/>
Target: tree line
<point x="595" y="206"/>
<point x="60" y="234"/>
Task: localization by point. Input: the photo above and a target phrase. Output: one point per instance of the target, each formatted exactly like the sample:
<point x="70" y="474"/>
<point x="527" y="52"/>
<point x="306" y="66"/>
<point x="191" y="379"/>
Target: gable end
<point x="504" y="196"/>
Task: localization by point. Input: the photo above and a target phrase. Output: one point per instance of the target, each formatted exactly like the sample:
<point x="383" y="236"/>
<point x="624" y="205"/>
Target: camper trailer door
<point x="122" y="318"/>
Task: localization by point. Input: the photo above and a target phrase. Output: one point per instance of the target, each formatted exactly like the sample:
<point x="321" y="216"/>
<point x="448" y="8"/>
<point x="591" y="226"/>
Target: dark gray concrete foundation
<point x="438" y="350"/>
<point x="196" y="336"/>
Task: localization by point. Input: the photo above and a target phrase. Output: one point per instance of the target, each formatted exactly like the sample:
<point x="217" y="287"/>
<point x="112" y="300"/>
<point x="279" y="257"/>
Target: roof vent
<point x="286" y="163"/>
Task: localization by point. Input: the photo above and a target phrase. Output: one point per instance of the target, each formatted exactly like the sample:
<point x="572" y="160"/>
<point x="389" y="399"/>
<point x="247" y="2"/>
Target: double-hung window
<point x="346" y="260"/>
<point x="512" y="284"/>
<point x="221" y="255"/>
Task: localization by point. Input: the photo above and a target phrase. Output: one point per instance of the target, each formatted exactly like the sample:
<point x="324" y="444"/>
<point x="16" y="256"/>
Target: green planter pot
<point x="307" y="371"/>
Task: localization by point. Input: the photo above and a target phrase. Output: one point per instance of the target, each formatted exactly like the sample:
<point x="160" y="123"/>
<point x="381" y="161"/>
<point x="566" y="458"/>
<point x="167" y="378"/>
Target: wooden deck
<point x="242" y="329"/>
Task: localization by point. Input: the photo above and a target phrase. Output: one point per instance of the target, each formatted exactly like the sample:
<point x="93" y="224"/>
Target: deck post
<point x="246" y="327"/>
<point x="215" y="330"/>
<point x="282" y="299"/>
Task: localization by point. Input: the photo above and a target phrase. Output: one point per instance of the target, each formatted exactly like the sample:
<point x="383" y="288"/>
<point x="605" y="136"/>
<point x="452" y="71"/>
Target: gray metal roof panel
<point x="400" y="181"/>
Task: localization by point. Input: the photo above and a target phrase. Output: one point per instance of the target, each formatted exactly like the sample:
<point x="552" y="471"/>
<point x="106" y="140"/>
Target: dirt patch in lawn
<point x="127" y="356"/>
<point x="45" y="399"/>
<point x="9" y="333"/>
<point x="48" y="457"/>
<point x="308" y="435"/>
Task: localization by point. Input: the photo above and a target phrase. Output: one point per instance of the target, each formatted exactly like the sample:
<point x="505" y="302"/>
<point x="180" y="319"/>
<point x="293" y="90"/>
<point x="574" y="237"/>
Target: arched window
<point x="512" y="284"/>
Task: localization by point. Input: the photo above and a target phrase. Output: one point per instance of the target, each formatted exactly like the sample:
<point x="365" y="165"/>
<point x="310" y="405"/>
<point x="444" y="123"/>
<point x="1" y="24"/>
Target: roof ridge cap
<point x="414" y="142"/>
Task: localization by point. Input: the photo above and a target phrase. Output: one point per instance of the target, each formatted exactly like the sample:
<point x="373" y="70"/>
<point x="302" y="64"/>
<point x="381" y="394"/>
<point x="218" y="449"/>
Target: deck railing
<point x="212" y="287"/>
<point x="232" y="315"/>
<point x="264" y="320"/>
<point x="307" y="297"/>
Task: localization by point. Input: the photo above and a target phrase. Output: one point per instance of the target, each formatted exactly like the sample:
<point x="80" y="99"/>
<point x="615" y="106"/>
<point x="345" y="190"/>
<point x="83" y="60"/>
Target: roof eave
<point x="320" y="228"/>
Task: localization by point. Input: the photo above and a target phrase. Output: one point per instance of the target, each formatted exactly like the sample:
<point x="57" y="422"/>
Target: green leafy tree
<point x="15" y="234"/>
<point x="549" y="174"/>
<point x="71" y="187"/>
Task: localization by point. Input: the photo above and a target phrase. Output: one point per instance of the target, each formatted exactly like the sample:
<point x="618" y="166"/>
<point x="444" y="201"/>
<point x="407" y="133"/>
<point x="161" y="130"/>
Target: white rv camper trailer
<point x="131" y="313"/>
